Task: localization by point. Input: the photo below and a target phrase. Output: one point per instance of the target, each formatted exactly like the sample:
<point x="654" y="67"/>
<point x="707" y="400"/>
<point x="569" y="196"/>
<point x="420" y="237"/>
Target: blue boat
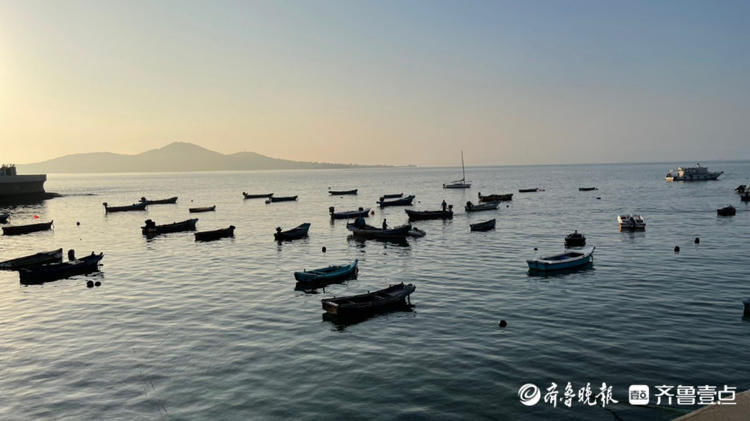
<point x="323" y="276"/>
<point x="567" y="260"/>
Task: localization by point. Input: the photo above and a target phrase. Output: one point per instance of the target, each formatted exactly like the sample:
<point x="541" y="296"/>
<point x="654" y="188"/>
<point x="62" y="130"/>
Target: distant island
<point x="175" y="157"/>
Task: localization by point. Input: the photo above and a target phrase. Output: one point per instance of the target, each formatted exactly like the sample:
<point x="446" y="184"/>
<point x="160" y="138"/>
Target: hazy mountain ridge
<point x="177" y="156"/>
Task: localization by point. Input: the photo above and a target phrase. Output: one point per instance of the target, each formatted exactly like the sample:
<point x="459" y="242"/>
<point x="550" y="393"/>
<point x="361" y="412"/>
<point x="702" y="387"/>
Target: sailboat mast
<point x="463" y="170"/>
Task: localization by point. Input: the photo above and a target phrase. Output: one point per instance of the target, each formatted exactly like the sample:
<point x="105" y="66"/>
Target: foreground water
<point x="183" y="330"/>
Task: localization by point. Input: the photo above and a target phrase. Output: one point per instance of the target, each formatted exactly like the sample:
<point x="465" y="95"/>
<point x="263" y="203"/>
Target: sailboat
<point x="462" y="183"/>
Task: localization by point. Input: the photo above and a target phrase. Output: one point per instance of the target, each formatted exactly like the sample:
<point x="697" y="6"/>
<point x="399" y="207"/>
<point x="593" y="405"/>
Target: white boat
<point x="696" y="173"/>
<point x="631" y="222"/>
<point x="568" y="260"/>
<point x="462" y="183"/>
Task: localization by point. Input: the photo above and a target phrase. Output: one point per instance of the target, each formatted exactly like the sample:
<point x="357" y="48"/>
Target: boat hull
<point x="27" y="229"/>
<point x="325" y="276"/>
<point x="55" y="271"/>
<point x="400" y="232"/>
<point x="495" y="198"/>
<point x="364" y="305"/>
<point x="188" y="225"/>
<point x="54" y="256"/>
<point x="257" y="196"/>
<point x="559" y="262"/>
<point x="342" y="192"/>
<point x="483" y="226"/>
<point x="406" y="201"/>
<point x="425" y="215"/>
<point x="200" y="210"/>
<point x="292" y="234"/>
<point x="215" y="234"/>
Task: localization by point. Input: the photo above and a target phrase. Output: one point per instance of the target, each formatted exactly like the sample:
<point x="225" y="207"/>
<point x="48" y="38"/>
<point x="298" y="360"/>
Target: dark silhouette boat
<point x="483" y="226"/>
<point x="274" y="199"/>
<point x="342" y="192"/>
<point x="320" y="277"/>
<point x="587" y="188"/>
<point x="391" y="196"/>
<point x="41" y="258"/>
<point x="53" y="271"/>
<point x="424" y="215"/>
<point x="741" y="189"/>
<point x="295" y="233"/>
<point x="349" y="214"/>
<point x="167" y="201"/>
<point x="127" y="208"/>
<point x="534" y="190"/>
<point x="575" y="239"/>
<point x="495" y="197"/>
<point x="256" y="196"/>
<point x="204" y="209"/>
<point x="4" y="218"/>
<point x="726" y="211"/>
<point x="215" y="234"/>
<point x="368" y="231"/>
<point x="404" y="201"/>
<point x="26" y="229"/>
<point x="151" y="229"/>
<point x="373" y="302"/>
<point x="470" y="207"/>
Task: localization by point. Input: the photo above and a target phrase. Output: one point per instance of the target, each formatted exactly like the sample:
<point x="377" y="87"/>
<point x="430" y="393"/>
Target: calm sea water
<point x="182" y="330"/>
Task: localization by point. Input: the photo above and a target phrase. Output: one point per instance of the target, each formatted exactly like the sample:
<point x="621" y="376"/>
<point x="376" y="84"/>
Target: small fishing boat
<point x="323" y="276"/>
<point x="587" y="188"/>
<point x="342" y="192"/>
<point x="54" y="256"/>
<point x="168" y="201"/>
<point x="404" y="201"/>
<point x="151" y="229"/>
<point x="391" y="196"/>
<point x="134" y="207"/>
<point x="295" y="233"/>
<point x="567" y="260"/>
<point x="424" y="215"/>
<point x="26" y="229"/>
<point x="575" y="239"/>
<point x="483" y="226"/>
<point x="741" y="189"/>
<point x="462" y="183"/>
<point x="53" y="271"/>
<point x="631" y="222"/>
<point x="368" y="231"/>
<point x="373" y="302"/>
<point x="726" y="211"/>
<point x="4" y="218"/>
<point x="349" y="214"/>
<point x="495" y="197"/>
<point x="205" y="209"/>
<point x="416" y="232"/>
<point x="274" y="199"/>
<point x="257" y="196"/>
<point x="470" y="207"/>
<point x="534" y="190"/>
<point x="215" y="234"/>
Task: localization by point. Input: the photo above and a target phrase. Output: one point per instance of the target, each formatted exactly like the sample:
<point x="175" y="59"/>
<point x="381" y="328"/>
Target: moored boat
<point x="533" y="190"/>
<point x="391" y="196"/>
<point x="44" y="257"/>
<point x="204" y="209"/>
<point x="587" y="188"/>
<point x="404" y="201"/>
<point x="323" y="276"/>
<point x="349" y="214"/>
<point x="726" y="211"/>
<point x="53" y="271"/>
<point x="470" y="207"/>
<point x="424" y="215"/>
<point x="151" y="229"/>
<point x="295" y="233"/>
<point x="462" y="183"/>
<point x="215" y="234"/>
<point x="741" y="188"/>
<point x="373" y="302"/>
<point x="483" y="226"/>
<point x="696" y="173"/>
<point x="631" y="222"/>
<point x="342" y="192"/>
<point x="167" y="201"/>
<point x="256" y="196"/>
<point x="495" y="197"/>
<point x="575" y="239"/>
<point x="134" y="207"/>
<point x="26" y="229"/>
<point x="274" y="199"/>
<point x="368" y="231"/>
<point x="567" y="260"/>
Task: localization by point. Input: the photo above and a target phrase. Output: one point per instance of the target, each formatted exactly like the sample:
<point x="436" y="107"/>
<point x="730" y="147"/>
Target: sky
<point x="379" y="82"/>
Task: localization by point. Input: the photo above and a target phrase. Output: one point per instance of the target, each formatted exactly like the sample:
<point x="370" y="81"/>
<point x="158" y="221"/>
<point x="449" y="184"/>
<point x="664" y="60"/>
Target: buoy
<point x="324" y="249"/>
<point x="697" y="240"/>
<point x="535" y="249"/>
<point x="598" y="198"/>
<point x="746" y="302"/>
<point x="502" y="323"/>
<point x="97" y="283"/>
<point x="78" y="223"/>
<point x="676" y="249"/>
<point x="89" y="284"/>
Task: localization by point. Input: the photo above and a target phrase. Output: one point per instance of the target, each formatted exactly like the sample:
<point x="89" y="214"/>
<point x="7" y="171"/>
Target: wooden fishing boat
<point x="631" y="222"/>
<point x="274" y="199"/>
<point x="134" y="207"/>
<point x="726" y="211"/>
<point x="256" y="196"/>
<point x="404" y="201"/>
<point x="215" y="234"/>
<point x="483" y="226"/>
<point x="26" y="229"/>
<point x="151" y="229"/>
<point x="295" y="233"/>
<point x="567" y="260"/>
<point x="587" y="188"/>
<point x="391" y="196"/>
<point x="424" y="215"/>
<point x="54" y="271"/>
<point x="168" y="201"/>
<point x="349" y="214"/>
<point x="495" y="197"/>
<point x="470" y="207"/>
<point x="205" y="209"/>
<point x="462" y="183"/>
<point x="534" y="190"/>
<point x="323" y="276"/>
<point x="368" y="231"/>
<point x="575" y="239"/>
<point x="373" y="302"/>
<point x="416" y="232"/>
<point x="4" y="218"/>
<point x="54" y="256"/>
<point x="342" y="192"/>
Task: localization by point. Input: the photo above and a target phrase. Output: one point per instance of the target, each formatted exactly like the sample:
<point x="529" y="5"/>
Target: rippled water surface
<point x="183" y="330"/>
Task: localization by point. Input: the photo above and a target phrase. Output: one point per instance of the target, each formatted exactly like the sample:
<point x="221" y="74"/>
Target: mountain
<point x="177" y="156"/>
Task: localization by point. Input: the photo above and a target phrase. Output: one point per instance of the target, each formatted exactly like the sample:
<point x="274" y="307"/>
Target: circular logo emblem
<point x="529" y="394"/>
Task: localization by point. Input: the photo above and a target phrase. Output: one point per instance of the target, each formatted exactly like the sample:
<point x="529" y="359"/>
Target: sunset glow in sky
<point x="389" y="82"/>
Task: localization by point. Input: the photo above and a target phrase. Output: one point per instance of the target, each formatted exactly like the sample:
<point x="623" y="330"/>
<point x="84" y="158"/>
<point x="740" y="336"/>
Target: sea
<point x="196" y="331"/>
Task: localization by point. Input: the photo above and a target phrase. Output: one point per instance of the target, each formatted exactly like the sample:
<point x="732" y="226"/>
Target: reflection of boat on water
<point x="696" y="173"/>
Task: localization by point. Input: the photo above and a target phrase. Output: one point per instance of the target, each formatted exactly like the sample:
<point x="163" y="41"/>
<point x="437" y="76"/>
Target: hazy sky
<point x="379" y="82"/>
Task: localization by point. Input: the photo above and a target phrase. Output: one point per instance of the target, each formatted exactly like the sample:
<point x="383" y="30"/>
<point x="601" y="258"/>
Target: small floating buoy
<point x="78" y="223"/>
<point x="502" y="323"/>
<point x="598" y="198"/>
<point x="676" y="249"/>
<point x="535" y="249"/>
<point x="746" y="302"/>
<point x="324" y="249"/>
<point x="89" y="284"/>
<point x="507" y="206"/>
<point x="97" y="284"/>
<point x="697" y="240"/>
